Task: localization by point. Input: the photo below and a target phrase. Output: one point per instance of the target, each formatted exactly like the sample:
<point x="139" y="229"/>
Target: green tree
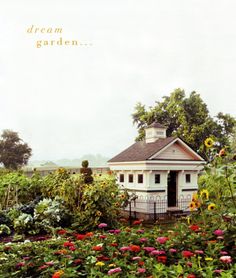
<point x="86" y="172"/>
<point x="14" y="153"/>
<point x="186" y="117"/>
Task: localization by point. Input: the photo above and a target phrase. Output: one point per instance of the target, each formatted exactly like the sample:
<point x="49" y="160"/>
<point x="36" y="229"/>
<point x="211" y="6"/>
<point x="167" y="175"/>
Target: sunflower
<point x="204" y="194"/>
<point x="192" y="205"/>
<point x="209" y="143"/>
<point x="195" y="197"/>
<point x="122" y="196"/>
<point x="197" y="204"/>
<point x="98" y="213"/>
<point x="211" y="206"/>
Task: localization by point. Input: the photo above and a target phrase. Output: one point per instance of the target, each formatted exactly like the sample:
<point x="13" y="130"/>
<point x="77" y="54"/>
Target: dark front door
<point x="172" y="177"/>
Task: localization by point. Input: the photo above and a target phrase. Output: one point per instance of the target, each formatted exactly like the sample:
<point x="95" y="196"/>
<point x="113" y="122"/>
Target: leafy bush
<point x="86" y="172"/>
<point x="49" y="214"/>
<point x="100" y="202"/>
<point x="22" y="188"/>
<point x="24" y="223"/>
<point x="4" y="230"/>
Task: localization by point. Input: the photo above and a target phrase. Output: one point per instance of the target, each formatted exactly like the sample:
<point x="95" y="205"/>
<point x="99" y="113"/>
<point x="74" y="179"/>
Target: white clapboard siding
<point x="177" y="152"/>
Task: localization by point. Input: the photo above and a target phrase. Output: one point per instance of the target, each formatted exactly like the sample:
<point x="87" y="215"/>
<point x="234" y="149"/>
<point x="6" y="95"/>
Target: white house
<point x="158" y="168"/>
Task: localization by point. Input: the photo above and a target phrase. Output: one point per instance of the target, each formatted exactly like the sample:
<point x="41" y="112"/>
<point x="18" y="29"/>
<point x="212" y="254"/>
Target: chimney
<point x="154" y="132"/>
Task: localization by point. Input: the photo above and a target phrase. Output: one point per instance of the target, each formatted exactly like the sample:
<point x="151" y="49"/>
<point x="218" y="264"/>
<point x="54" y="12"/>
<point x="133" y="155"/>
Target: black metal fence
<point x="155" y="208"/>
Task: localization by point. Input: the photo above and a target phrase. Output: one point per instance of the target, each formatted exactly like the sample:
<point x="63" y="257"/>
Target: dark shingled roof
<point x="141" y="150"/>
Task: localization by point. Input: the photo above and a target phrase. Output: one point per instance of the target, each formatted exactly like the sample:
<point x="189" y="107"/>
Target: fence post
<point x="130" y="221"/>
<point x="155" y="212"/>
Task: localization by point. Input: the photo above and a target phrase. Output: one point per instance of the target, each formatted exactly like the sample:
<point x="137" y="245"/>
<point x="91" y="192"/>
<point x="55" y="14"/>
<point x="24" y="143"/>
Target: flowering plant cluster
<point x="184" y="251"/>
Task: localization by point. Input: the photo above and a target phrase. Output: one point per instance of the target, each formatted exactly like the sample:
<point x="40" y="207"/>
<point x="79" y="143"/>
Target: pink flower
<point x="148" y="249"/>
<point x="199" y="252"/>
<point x="218" y="232"/>
<point x="158" y="252"/>
<point x="114" y="270"/>
<point x="136" y="258"/>
<point x="140" y="231"/>
<point x="20" y="264"/>
<point x="141" y="270"/>
<point x="102" y="225"/>
<point x="51" y="263"/>
<point x="226" y="259"/>
<point x="162" y="240"/>
<point x="223" y="252"/>
<point x="218" y="270"/>
<point x="143" y="239"/>
<point x="172" y="250"/>
<point x="189" y="264"/>
<point x="125" y="248"/>
<point x="43" y="267"/>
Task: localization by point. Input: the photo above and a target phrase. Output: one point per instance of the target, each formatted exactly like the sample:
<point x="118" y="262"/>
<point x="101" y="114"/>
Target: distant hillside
<point x="94" y="161"/>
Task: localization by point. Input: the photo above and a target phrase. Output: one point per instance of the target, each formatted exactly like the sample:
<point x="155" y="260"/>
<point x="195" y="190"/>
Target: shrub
<point x="86" y="172"/>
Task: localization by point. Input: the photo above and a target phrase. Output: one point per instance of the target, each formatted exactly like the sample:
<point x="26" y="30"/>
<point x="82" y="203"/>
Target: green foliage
<point x="49" y="214"/>
<point x="62" y="184"/>
<point x="13" y="152"/>
<point x="4" y="230"/>
<point x="100" y="202"/>
<point x="186" y="117"/>
<point x="23" y="223"/>
<point x="21" y="188"/>
<point x="64" y="195"/>
<point x="85" y="163"/>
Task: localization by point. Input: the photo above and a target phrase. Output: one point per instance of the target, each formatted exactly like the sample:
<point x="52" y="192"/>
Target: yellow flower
<point x="112" y="265"/>
<point x="100" y="264"/>
<point x="188" y="220"/>
<point x="209" y="143"/>
<point x="211" y="206"/>
<point x="192" y="205"/>
<point x="195" y="197"/>
<point x="98" y="213"/>
<point x="122" y="196"/>
<point x="117" y="204"/>
<point x="204" y="194"/>
<point x="208" y="259"/>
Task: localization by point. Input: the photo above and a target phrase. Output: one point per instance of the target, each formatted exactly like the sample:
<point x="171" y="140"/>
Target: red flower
<point x="80" y="237"/>
<point x="103" y="258"/>
<point x="61" y="232"/>
<point x="162" y="259"/>
<point x="194" y="228"/>
<point x="187" y="254"/>
<point x="191" y="276"/>
<point x="58" y="274"/>
<point x="77" y="261"/>
<point x="89" y="234"/>
<point x="135" y="248"/>
<point x="114" y="244"/>
<point x="68" y="244"/>
<point x="97" y="248"/>
<point x="102" y="236"/>
<point x="137" y="222"/>
<point x="140" y="263"/>
<point x="20" y="264"/>
<point x="72" y="248"/>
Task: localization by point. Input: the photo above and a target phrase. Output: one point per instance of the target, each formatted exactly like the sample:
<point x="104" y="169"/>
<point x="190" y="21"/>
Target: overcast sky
<point x="67" y="101"/>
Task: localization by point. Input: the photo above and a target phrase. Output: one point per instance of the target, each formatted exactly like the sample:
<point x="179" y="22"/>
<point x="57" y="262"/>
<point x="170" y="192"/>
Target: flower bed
<point x="184" y="251"/>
